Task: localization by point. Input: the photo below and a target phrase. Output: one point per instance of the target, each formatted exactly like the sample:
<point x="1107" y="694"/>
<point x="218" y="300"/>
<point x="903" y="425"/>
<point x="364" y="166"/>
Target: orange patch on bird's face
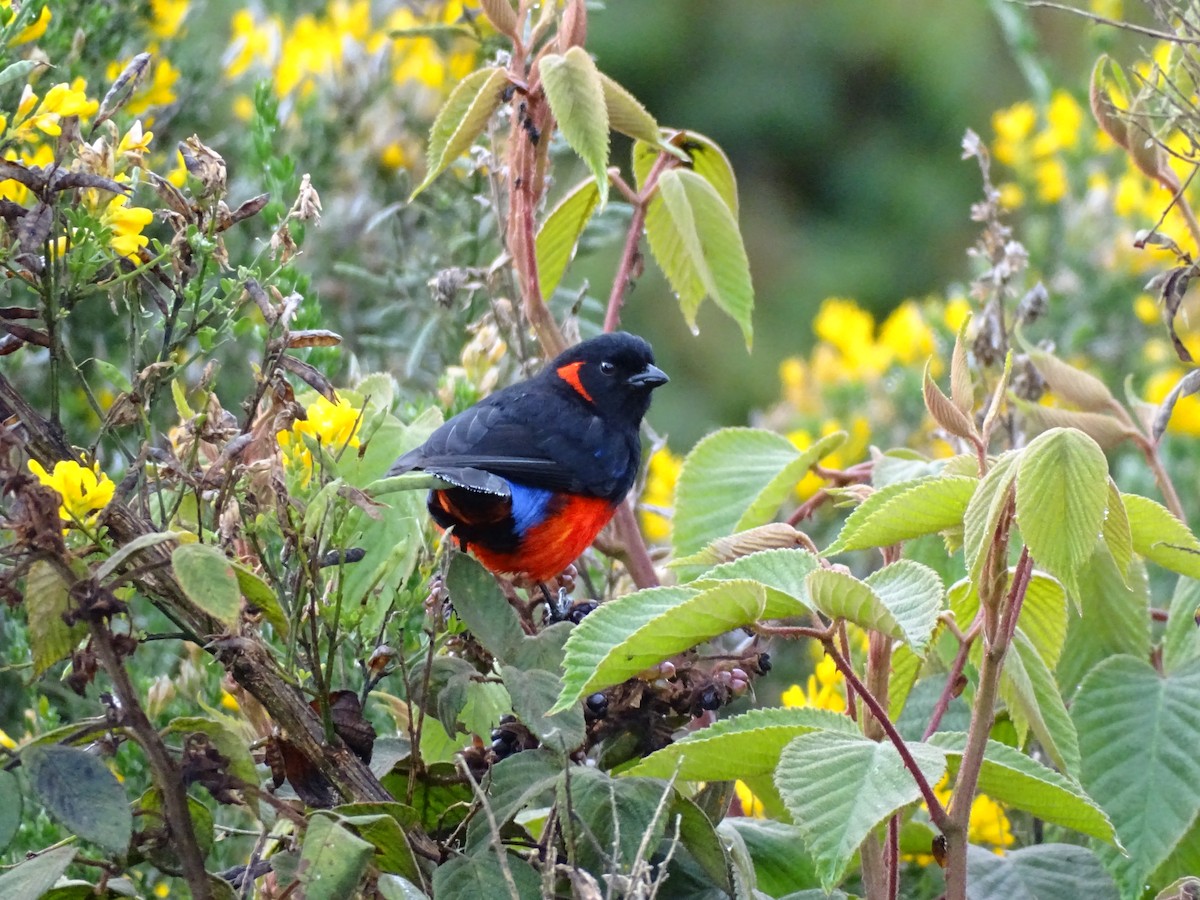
<point x="570" y="374"/>
<point x="549" y="547"/>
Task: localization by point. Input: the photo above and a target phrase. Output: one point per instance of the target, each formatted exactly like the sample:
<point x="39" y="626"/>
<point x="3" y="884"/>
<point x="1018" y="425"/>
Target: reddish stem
<point x="624" y="277"/>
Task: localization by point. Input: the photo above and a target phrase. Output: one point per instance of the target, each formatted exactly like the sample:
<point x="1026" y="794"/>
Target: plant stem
<point x="623" y="280"/>
<point x="637" y="557"/>
<point x="1162" y="479"/>
<point x="949" y="692"/>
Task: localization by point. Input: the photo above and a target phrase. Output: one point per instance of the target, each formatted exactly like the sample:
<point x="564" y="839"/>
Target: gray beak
<point x="650" y="377"/>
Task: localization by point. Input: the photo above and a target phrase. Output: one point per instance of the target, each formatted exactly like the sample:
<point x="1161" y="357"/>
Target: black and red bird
<point x="539" y="467"/>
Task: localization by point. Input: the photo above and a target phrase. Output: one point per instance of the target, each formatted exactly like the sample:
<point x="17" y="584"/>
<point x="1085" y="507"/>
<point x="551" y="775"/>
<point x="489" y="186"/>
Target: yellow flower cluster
<point x="1038" y="155"/>
<point x="312" y="48"/>
<point x="33" y="30"/>
<point x="333" y="425"/>
<point x="826" y="689"/>
<point x="662" y="472"/>
<point x="83" y="490"/>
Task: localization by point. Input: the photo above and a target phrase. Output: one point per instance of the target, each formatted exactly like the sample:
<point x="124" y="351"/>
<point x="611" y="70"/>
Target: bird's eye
<point x="607" y="367"/>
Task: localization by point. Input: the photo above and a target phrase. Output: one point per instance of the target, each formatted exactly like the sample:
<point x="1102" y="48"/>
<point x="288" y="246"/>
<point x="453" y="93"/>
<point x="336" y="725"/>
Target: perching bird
<point x="540" y="467"/>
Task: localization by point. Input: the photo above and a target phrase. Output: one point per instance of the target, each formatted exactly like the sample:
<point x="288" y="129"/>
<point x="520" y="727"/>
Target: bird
<point x="534" y="471"/>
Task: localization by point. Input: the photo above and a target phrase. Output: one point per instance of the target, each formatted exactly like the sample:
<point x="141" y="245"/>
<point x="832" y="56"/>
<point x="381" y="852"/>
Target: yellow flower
<point x="162" y="889"/>
<point x="333" y="425"/>
<point x="229" y="702"/>
<point x="850" y="329"/>
<point x="825" y="689"/>
<point x="1012" y="196"/>
<point x="160" y="91"/>
<point x="6" y="742"/>
<point x="751" y="806"/>
<point x="251" y="42"/>
<point x="166" y="16"/>
<point x="135" y="143"/>
<point x="1065" y="118"/>
<point x="661" y="475"/>
<point x="33" y="30"/>
<point x="1013" y="126"/>
<point x="395" y="156"/>
<point x="126" y="224"/>
<point x="1145" y="308"/>
<point x="61" y="100"/>
<point x="83" y="490"/>
<point x="906" y="335"/>
<point x="958" y="309"/>
<point x="1051" y="178"/>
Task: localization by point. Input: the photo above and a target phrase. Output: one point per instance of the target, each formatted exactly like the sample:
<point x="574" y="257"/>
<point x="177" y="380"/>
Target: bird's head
<point x="614" y="372"/>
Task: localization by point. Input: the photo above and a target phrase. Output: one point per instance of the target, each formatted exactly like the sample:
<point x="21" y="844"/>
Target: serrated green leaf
<point x="46" y="599"/>
<point x="1040" y="872"/>
<point x="1113" y="618"/>
<point x="914" y="595"/>
<point x="774" y="856"/>
<point x="901" y="512"/>
<point x="695" y="238"/>
<point x="699" y="837"/>
<point x="576" y="97"/>
<point x="382" y="825"/>
<point x="739" y="747"/>
<point x="1181" y="638"/>
<point x="1075" y="386"/>
<point x="479" y="876"/>
<point x="627" y="115"/>
<point x="332" y="859"/>
<point x="1138" y="732"/>
<point x="840" y="595"/>
<point x="1117" y="536"/>
<point x="515" y="782"/>
<point x="461" y="120"/>
<point x="482" y="608"/>
<point x="783" y="571"/>
<point x="78" y="790"/>
<point x="1162" y="538"/>
<point x="1044" y="617"/>
<point x="985" y="510"/>
<point x="906" y="667"/>
<point x="208" y="579"/>
<point x="1106" y="430"/>
<point x="703" y="155"/>
<point x="639" y="630"/>
<point x="608" y="819"/>
<point x="839" y="787"/>
<point x="1016" y="780"/>
<point x="533" y="692"/>
<point x="559" y="235"/>
<point x="1034" y="703"/>
<point x="10" y="808"/>
<point x="736" y="475"/>
<point x="1062" y="490"/>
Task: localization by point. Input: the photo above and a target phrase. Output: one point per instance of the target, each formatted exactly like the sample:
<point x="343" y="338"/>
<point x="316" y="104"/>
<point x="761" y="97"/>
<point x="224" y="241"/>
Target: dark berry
<point x="764" y="663"/>
<point x="579" y="610"/>
<point x="597" y="705"/>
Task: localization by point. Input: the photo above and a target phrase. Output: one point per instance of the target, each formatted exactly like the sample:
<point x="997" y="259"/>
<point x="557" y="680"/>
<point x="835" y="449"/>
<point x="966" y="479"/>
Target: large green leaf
<point x="576" y="96"/>
<point x="736" y="478"/>
<point x="461" y="120"/>
<point x="1117" y="536"/>
<point x="629" y="635"/>
<point x="706" y="159"/>
<point x="46" y="600"/>
<point x="839" y="787"/>
<point x="78" y="790"/>
<point x="777" y="858"/>
<point x="332" y="859"/>
<point x="914" y="594"/>
<point x="1113" y="618"/>
<point x="627" y="116"/>
<point x="1034" y="703"/>
<point x="1041" y="872"/>
<point x="739" y="747"/>
<point x="208" y="579"/>
<point x="1044" y="617"/>
<point x="515" y="782"/>
<point x="11" y="805"/>
<point x="1181" y="639"/>
<point x="33" y="878"/>
<point x="985" y="510"/>
<point x="1138" y="733"/>
<point x="900" y="512"/>
<point x="559" y="235"/>
<point x="533" y="692"/>
<point x="782" y="571"/>
<point x="610" y="819"/>
<point x="1017" y="780"/>
<point x="840" y="595"/>
<point x="481" y="876"/>
<point x="1062" y="491"/>
<point x="1162" y="538"/>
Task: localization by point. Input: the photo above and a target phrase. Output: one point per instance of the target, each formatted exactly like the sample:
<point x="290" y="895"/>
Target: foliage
<point x="252" y="668"/>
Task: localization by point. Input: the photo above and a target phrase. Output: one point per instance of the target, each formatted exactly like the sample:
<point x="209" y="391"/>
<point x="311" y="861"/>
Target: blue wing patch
<point x="529" y="505"/>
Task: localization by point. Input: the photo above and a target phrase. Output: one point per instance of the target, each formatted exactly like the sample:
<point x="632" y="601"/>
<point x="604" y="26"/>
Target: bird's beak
<point x="650" y="377"/>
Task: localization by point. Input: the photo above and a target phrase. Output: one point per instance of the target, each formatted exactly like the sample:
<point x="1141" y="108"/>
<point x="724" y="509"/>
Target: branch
<point x="623" y="280"/>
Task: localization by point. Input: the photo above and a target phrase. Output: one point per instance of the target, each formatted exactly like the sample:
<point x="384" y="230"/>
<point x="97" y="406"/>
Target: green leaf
<point x="839" y="787"/>
<point x="1062" y="490"/>
<point x="1016" y="780"/>
<point x="78" y="790"/>
<point x="1034" y="703"/>
<point x="1117" y="536"/>
<point x="386" y="834"/>
<point x="780" y="571"/>
<point x="984" y="512"/>
<point x="258" y="593"/>
<point x="46" y="599"/>
<point x="1044" y="617"/>
<point x="141" y="542"/>
<point x="1075" y="386"/>
<point x="533" y="692"/>
<point x="906" y="668"/>
<point x="745" y="745"/>
<point x="1162" y="538"/>
<point x="840" y="595"/>
<point x="332" y="860"/>
<point x="700" y="839"/>
<point x="208" y="579"/>
<point x="1106" y="430"/>
<point x="482" y="608"/>
<point x="639" y="630"/>
<point x="481" y="877"/>
<point x="1138" y="732"/>
<point x="914" y="594"/>
<point x="701" y="153"/>
<point x="576" y="96"/>
<point x="737" y="478"/>
<point x="33" y="878"/>
<point x="1113" y="618"/>
<point x="608" y="819"/>
<point x="694" y="237"/>
<point x="10" y="807"/>
<point x="461" y="120"/>
<point x="780" y="864"/>
<point x="1181" y="639"/>
<point x="559" y="235"/>
<point x="516" y="782"/>
<point x="393" y="887"/>
<point x="627" y="116"/>
<point x="227" y="743"/>
<point x="901" y="512"/>
<point x="18" y="71"/>
<point x="1040" y="872"/>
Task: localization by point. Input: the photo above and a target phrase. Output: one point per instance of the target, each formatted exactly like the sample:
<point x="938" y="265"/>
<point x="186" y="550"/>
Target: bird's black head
<point x="614" y="372"/>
